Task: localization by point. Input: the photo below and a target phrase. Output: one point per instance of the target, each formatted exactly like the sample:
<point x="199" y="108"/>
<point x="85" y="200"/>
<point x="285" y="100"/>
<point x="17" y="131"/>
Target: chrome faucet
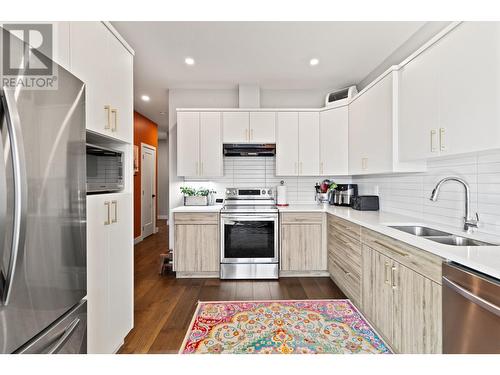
<point x="469" y="222"/>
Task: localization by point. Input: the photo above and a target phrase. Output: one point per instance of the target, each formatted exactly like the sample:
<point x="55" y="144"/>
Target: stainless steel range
<point x="249" y="235"/>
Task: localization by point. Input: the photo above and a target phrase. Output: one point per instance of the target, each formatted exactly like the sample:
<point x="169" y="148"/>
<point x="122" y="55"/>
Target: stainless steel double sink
<point x="440" y="236"/>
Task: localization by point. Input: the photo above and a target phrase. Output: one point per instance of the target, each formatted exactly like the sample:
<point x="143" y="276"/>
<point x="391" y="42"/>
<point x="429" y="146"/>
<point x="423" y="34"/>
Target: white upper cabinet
<point x="121" y="90"/>
<point x="373" y="142"/>
<point x="211" y="163"/>
<point x="235" y="127"/>
<point x="60" y="43"/>
<point x="188" y="143"/>
<point x="297" y="144"/>
<point x="199" y="144"/>
<point x="262" y="127"/>
<point x="450" y="94"/>
<point x="287" y="140"/>
<point x="370" y="129"/>
<point x="99" y="59"/>
<point x="308" y="143"/>
<point x="334" y="141"/>
<point x="418" y="107"/>
<point x="249" y="127"/>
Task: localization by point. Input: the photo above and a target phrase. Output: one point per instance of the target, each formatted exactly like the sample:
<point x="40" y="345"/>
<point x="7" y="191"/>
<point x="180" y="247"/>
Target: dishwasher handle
<point x="487" y="305"/>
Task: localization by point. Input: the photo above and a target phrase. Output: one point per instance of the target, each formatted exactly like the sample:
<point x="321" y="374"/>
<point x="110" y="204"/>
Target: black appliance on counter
<point x="365" y="203"/>
<point x="343" y="194"/>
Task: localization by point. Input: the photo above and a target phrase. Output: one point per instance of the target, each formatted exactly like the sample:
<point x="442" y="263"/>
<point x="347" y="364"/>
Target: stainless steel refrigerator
<point x="43" y="217"/>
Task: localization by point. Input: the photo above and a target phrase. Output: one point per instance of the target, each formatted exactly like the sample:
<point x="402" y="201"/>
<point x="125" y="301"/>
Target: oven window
<point x="249" y="239"/>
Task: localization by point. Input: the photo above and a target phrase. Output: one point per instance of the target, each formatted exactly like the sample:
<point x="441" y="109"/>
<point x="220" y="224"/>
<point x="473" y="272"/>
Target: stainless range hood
<point x="245" y="149"/>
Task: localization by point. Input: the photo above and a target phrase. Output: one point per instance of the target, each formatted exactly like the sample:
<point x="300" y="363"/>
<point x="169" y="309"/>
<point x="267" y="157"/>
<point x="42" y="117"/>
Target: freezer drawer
<point x="68" y="335"/>
<point x="471" y="311"/>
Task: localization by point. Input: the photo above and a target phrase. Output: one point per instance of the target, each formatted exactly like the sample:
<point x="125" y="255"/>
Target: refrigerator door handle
<point x="20" y="193"/>
<point x="64" y="337"/>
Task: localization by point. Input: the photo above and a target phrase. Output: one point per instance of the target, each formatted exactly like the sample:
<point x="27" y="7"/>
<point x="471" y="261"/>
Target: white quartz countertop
<point x="485" y="259"/>
<point x="214" y="208"/>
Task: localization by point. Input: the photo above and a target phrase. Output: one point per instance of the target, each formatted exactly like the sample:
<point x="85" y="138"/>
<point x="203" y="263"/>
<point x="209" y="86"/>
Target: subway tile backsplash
<point x="261" y="171"/>
<point x="408" y="194"/>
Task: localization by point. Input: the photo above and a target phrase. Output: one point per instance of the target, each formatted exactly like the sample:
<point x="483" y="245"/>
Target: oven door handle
<point x="230" y="220"/>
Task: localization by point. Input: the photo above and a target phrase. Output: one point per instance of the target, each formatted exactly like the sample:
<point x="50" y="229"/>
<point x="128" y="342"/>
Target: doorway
<point x="148" y="187"/>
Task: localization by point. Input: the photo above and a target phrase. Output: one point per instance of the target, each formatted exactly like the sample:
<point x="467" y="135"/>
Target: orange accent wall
<point x="145" y="131"/>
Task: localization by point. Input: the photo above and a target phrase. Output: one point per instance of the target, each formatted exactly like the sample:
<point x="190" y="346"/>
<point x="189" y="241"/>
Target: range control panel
<point x="252" y="193"/>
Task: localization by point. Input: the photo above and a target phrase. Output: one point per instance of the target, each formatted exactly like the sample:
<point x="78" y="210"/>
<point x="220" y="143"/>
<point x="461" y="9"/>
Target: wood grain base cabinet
<point x="403" y="305"/>
<point x="344" y="257"/>
<point x="196" y="242"/>
<point x="302" y="245"/>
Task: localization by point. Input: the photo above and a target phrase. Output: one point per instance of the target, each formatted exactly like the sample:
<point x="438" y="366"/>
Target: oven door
<point x="249" y="238"/>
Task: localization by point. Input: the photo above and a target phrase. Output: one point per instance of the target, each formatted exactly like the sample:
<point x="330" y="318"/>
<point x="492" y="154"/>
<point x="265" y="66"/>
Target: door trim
<point x="152" y="148"/>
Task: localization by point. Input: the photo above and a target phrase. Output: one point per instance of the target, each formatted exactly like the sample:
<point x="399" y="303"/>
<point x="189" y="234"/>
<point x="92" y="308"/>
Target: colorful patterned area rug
<point x="282" y="327"/>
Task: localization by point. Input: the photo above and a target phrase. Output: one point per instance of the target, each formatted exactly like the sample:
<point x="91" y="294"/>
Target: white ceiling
<point x="274" y="55"/>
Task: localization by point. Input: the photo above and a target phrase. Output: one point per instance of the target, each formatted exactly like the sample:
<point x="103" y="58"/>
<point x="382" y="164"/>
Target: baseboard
<point x="197" y="275"/>
<point x="137" y="240"/>
<point x="304" y="273"/>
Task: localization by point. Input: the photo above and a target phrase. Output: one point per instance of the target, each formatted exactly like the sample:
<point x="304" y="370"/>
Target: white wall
<point x="163" y="183"/>
<point x="408" y="194"/>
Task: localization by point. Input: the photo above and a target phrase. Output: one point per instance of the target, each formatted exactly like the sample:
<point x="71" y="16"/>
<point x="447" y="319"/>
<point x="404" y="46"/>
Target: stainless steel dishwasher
<point x="471" y="311"/>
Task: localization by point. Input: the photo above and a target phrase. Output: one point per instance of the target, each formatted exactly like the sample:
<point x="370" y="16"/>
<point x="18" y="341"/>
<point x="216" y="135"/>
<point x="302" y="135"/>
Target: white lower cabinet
<point x="110" y="291"/>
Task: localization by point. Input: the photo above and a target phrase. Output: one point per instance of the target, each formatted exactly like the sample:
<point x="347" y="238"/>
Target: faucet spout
<point x="469" y="222"/>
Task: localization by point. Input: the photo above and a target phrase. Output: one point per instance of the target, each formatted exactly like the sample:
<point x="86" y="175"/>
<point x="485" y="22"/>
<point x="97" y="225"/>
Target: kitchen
<point x="243" y="189"/>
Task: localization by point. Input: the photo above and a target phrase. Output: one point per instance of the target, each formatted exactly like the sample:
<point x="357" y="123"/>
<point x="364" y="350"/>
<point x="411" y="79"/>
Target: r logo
<point x="34" y="58"/>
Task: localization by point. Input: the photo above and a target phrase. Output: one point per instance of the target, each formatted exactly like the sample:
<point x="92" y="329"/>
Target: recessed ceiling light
<point x="313" y="62"/>
<point x="189" y="61"/>
<point x="145" y="98"/>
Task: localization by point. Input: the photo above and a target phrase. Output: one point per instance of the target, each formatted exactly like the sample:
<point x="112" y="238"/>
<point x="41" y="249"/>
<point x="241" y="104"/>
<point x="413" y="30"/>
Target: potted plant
<point x="196" y="197"/>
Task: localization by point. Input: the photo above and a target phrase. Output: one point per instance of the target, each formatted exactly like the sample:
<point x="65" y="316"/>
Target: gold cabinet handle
<point x="391" y="248"/>
<point x="295" y="168"/>
<point x="442" y="143"/>
<point x="251" y="134"/>
<point x="433" y="138"/>
<point x="114" y="112"/>
<point x="107" y="125"/>
<point x="393" y="277"/>
<point x="108" y="221"/>
<point x="115" y="204"/>
<point x="201" y="168"/>
<point x="246" y="135"/>
<point x="300" y="166"/>
<point x="197" y="169"/>
<point x="321" y="167"/>
<point x="386" y="273"/>
<point x="364" y="164"/>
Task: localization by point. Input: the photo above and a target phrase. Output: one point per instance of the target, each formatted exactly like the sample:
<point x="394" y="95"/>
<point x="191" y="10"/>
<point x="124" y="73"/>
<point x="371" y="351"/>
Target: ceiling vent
<point x="340" y="97"/>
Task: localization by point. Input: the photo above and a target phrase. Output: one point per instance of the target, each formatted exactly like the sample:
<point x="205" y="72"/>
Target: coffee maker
<point x="343" y="194"/>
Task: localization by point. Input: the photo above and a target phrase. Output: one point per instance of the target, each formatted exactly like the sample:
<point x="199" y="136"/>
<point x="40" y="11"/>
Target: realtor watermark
<point x="27" y="50"/>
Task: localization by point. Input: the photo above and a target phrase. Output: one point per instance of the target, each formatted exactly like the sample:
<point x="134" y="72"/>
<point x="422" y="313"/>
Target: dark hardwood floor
<point x="164" y="305"/>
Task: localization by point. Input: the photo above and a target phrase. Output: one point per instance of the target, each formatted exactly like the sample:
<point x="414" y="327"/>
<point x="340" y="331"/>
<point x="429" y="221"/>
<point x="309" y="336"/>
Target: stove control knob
<point x="270" y="192"/>
<point x="263" y="192"/>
